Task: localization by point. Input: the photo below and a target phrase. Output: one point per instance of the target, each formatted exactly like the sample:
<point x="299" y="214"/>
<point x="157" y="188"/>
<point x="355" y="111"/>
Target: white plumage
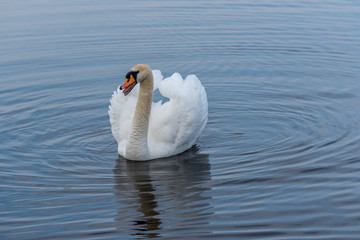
<point x="174" y="125"/>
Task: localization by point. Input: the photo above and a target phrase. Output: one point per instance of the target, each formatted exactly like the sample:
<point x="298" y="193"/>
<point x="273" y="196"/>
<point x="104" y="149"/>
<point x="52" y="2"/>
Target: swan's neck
<point x="137" y="146"/>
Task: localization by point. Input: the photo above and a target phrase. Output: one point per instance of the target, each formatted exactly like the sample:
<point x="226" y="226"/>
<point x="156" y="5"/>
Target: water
<point x="278" y="159"/>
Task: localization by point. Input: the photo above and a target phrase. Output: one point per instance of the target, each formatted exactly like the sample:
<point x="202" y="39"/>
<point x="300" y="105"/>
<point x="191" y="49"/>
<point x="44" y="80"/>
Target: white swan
<point x="145" y="130"/>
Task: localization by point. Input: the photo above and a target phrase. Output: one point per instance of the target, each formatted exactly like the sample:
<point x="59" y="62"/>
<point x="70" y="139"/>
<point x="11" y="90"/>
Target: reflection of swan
<point x="148" y="224"/>
<point x="145" y="130"/>
<point x="158" y="196"/>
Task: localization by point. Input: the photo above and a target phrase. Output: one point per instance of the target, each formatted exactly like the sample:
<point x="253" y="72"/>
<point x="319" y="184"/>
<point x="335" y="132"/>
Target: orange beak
<point x="128" y="85"/>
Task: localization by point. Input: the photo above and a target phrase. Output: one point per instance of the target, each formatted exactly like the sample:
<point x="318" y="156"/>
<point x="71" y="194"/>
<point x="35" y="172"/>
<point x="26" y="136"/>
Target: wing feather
<point x="176" y="124"/>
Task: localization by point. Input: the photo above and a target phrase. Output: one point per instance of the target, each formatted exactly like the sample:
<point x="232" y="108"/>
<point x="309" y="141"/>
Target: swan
<point x="146" y="130"/>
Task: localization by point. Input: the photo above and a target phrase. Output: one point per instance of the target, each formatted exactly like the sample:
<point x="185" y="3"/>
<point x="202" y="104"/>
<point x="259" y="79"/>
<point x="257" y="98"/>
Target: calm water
<point x="279" y="158"/>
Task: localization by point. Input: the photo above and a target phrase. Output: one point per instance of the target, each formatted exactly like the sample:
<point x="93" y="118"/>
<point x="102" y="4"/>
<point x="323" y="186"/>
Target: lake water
<point x="278" y="159"/>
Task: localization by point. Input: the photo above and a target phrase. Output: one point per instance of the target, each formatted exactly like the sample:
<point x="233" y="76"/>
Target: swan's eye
<point x="131" y="74"/>
<point x="128" y="76"/>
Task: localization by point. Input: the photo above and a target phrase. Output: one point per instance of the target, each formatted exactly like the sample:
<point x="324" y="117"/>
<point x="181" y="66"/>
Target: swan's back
<point x="176" y="124"/>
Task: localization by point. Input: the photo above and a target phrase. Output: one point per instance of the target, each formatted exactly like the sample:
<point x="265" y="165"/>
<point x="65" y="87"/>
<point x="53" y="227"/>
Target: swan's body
<point x="145" y="130"/>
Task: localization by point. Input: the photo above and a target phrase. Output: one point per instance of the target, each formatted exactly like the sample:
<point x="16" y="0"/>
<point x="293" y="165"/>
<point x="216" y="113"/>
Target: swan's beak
<point x="128" y="85"/>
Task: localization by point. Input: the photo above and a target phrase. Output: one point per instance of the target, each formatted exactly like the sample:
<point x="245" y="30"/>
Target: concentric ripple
<point x="278" y="159"/>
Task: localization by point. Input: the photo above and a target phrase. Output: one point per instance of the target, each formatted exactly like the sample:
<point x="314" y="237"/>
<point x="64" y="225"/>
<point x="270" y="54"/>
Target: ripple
<point x="278" y="159"/>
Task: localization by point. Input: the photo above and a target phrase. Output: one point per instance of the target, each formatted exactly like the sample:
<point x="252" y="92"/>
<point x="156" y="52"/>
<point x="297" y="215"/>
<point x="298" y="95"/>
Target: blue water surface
<point x="278" y="159"/>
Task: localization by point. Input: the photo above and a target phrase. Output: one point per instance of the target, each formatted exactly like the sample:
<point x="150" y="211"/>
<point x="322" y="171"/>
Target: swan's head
<point x="137" y="74"/>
